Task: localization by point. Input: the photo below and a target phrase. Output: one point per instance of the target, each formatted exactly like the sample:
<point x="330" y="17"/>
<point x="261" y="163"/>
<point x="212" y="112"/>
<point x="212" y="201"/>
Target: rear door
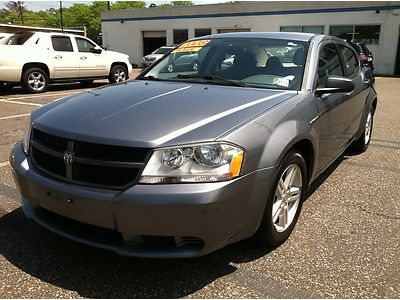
<point x="65" y="59"/>
<point x="355" y="102"/>
<point x="90" y="64"/>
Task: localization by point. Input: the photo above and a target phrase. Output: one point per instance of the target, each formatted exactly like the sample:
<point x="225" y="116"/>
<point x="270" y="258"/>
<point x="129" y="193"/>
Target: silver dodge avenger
<point x="182" y="161"/>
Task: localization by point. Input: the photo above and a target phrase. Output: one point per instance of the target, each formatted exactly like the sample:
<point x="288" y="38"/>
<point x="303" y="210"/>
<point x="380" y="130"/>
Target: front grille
<point x="97" y="165"/>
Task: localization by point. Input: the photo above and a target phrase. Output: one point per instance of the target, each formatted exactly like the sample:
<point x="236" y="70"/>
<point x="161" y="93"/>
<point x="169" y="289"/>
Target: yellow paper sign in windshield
<point x="193" y="46"/>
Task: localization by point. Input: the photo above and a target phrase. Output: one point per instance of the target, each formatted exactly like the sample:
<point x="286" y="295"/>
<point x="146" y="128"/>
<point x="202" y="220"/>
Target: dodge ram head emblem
<point x="68" y="157"/>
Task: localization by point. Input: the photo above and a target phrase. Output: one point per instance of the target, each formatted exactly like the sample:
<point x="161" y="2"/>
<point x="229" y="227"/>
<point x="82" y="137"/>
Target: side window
<point x="350" y="61"/>
<point x="84" y="45"/>
<point x="62" y="43"/>
<point x="328" y="63"/>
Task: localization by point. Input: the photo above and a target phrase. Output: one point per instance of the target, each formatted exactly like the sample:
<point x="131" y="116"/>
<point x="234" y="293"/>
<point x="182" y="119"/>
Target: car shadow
<point x="58" y="87"/>
<point x="96" y="273"/>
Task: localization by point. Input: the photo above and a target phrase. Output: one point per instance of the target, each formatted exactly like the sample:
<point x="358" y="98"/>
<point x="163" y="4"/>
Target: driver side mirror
<point x="336" y="84"/>
<point x="96" y="50"/>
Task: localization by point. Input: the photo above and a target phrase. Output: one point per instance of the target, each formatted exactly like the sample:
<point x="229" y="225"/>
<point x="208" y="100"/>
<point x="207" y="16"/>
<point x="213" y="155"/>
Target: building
<point x="375" y="23"/>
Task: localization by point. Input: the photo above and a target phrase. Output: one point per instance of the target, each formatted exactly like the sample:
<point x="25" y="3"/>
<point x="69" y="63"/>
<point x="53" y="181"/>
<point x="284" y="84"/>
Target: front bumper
<point x="177" y="220"/>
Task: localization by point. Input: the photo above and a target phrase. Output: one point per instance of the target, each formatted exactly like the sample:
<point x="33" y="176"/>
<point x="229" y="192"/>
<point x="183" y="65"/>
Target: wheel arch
<point x="39" y="65"/>
<point x="119" y="63"/>
<point x="292" y="135"/>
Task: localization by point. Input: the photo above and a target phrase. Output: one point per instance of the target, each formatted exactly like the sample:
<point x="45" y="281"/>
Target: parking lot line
<point x="15" y="116"/>
<point x="46" y="95"/>
<point x="19" y="102"/>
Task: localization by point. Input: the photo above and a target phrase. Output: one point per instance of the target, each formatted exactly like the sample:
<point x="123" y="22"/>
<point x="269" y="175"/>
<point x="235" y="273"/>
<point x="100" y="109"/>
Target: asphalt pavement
<point x="345" y="244"/>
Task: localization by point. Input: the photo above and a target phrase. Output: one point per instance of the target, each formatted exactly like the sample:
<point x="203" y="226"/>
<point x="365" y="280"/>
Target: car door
<point x="333" y="120"/>
<point x="355" y="102"/>
<point x="65" y="59"/>
<point x="90" y="64"/>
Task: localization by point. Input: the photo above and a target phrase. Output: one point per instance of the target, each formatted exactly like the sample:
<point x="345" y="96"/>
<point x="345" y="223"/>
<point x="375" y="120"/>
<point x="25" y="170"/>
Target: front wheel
<point x="361" y="144"/>
<point x="35" y="80"/>
<point x="118" y="73"/>
<point x="284" y="203"/>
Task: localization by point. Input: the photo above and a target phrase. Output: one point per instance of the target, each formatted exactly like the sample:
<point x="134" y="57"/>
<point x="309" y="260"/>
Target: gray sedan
<point x="179" y="163"/>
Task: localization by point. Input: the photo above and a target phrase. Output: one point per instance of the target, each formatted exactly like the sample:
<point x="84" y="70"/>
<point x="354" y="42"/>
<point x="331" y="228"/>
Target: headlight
<point x="27" y="136"/>
<point x="198" y="163"/>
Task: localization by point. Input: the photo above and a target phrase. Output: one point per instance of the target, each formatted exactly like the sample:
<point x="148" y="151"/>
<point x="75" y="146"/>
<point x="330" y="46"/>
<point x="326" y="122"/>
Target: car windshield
<point x="252" y="62"/>
<point x="161" y="50"/>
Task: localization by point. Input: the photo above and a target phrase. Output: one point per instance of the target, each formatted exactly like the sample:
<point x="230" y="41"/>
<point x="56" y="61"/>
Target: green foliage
<point x="77" y="16"/>
<point x="175" y="4"/>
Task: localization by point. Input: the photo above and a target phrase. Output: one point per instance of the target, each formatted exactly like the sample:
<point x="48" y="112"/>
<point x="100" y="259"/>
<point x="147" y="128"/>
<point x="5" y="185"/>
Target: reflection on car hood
<point x="151" y="114"/>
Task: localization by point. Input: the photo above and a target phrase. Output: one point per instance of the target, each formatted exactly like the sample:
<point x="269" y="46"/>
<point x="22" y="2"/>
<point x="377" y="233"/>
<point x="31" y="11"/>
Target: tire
<point x="118" y="73"/>
<point x="86" y="83"/>
<point x="275" y="228"/>
<point x="35" y="80"/>
<point x="361" y="144"/>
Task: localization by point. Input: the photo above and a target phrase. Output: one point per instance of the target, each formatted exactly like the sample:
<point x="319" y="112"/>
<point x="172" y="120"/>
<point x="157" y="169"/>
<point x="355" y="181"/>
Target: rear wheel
<point x="285" y="201"/>
<point x="118" y="73"/>
<point x="361" y="144"/>
<point x="35" y="80"/>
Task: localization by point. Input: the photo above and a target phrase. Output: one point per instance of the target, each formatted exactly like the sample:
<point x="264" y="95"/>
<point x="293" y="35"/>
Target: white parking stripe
<point x="12" y="117"/>
<point x="22" y="103"/>
<point x="4" y="163"/>
<point x="46" y="95"/>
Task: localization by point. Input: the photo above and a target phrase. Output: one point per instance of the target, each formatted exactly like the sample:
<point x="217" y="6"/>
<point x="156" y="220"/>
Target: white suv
<point x="35" y="59"/>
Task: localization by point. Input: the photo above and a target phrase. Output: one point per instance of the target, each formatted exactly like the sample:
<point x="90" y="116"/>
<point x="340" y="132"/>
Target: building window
<point x="202" y="32"/>
<point x="366" y="34"/>
<point x="180" y="36"/>
<point x="308" y="29"/>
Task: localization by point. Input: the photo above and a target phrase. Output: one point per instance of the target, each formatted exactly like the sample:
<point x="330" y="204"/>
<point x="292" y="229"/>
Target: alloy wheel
<point x="368" y="128"/>
<point x="119" y="75"/>
<point x="287" y="198"/>
<point x="36" y="81"/>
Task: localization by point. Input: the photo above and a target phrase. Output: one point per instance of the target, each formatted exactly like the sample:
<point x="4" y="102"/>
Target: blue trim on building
<point x="262" y="13"/>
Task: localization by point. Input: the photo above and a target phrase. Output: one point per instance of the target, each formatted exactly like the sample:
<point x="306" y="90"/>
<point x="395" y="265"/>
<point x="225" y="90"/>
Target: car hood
<point x="153" y="114"/>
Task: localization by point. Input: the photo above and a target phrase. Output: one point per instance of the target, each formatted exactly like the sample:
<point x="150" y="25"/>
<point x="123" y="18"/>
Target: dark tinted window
<point x="62" y="43"/>
<point x="84" y="45"/>
<point x="328" y="64"/>
<point x="350" y="61"/>
<point x="18" y="38"/>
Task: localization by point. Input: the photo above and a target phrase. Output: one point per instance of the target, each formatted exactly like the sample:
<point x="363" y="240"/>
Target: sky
<point x="43" y="5"/>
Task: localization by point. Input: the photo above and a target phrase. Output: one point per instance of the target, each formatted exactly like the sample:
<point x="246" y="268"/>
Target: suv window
<point x="18" y="38"/>
<point x="328" y="63"/>
<point x="84" y="45"/>
<point x="62" y="43"/>
<point x="350" y="61"/>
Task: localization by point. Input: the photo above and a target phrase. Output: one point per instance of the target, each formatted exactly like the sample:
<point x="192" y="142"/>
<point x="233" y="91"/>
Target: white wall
<point x="127" y="36"/>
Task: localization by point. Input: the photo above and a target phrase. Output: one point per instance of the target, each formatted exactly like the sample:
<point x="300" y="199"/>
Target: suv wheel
<point x="118" y="73"/>
<point x="35" y="80"/>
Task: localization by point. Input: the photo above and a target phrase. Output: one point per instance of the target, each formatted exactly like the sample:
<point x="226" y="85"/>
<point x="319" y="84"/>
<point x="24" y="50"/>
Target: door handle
<point x="58" y="57"/>
<point x="83" y="57"/>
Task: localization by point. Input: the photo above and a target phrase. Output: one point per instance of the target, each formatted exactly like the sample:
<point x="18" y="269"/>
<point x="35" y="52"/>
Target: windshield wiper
<point x="212" y="78"/>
